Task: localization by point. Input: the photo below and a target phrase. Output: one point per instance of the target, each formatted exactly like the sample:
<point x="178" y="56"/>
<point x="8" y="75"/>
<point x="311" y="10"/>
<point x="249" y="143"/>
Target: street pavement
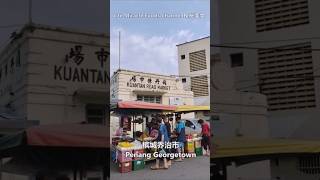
<point x="190" y="169"/>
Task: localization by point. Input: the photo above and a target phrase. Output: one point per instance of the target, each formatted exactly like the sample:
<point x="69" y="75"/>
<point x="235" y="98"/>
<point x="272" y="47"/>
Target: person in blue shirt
<point x="168" y="127"/>
<point x="163" y="132"/>
<point x="162" y="137"/>
<point x="180" y="130"/>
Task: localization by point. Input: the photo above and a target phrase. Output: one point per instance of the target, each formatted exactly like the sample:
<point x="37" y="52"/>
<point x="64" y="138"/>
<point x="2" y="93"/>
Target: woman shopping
<point x="205" y="132"/>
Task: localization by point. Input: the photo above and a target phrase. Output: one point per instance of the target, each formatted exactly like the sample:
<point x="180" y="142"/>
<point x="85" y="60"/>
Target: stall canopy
<point x="155" y="106"/>
<point x="66" y="135"/>
<point x="190" y="108"/>
<point x="69" y="135"/>
<point x="237" y="148"/>
<point x="144" y="105"/>
<point x="61" y="146"/>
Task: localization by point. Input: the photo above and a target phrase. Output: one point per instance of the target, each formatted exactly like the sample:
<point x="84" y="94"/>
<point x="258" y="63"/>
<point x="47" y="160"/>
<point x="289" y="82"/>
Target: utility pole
<point x="119" y="48"/>
<point x="30" y="12"/>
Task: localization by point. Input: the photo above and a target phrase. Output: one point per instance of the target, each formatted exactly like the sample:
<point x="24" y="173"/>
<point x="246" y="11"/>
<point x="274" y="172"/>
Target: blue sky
<point x="149" y="44"/>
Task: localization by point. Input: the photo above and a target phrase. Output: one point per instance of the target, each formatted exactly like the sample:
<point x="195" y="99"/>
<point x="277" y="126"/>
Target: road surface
<point x="190" y="169"/>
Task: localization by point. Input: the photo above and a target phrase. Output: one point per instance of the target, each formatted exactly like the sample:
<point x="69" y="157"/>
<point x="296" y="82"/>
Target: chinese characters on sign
<point x="147" y="83"/>
<point x="161" y="145"/>
<point x="102" y="56"/>
<point x="76" y="74"/>
<point x="76" y="55"/>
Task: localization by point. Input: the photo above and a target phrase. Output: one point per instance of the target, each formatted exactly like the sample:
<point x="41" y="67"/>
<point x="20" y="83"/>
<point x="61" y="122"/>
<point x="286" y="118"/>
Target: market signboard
<point x="144" y="82"/>
<point x="78" y="73"/>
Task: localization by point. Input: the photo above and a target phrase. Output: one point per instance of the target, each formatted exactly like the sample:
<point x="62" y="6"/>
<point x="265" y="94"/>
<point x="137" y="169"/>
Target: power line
<point x="268" y="41"/>
<point x="246" y="87"/>
<point x="193" y="75"/>
<point x="259" y="84"/>
<point x="2" y="45"/>
<point x="260" y="48"/>
<point x="282" y="77"/>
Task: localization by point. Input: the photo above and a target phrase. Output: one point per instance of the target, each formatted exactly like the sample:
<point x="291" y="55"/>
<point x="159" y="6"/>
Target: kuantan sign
<point x="148" y="83"/>
<point x="81" y="74"/>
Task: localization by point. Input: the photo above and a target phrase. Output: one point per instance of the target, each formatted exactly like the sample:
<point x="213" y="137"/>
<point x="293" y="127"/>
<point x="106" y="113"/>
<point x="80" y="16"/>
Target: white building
<point x="194" y="68"/>
<point x="286" y="77"/>
<point x="237" y="114"/>
<point x="55" y="75"/>
<point x="127" y="85"/>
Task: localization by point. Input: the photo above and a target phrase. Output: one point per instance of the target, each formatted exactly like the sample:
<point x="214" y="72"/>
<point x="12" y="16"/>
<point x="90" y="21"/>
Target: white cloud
<point x="157" y="54"/>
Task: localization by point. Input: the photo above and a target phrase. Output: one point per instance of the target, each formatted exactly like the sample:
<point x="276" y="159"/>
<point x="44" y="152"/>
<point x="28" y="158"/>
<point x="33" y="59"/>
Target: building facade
<point x="236" y="113"/>
<point x="127" y="85"/>
<point x="54" y="75"/>
<point x="194" y="68"/>
<point x="275" y="57"/>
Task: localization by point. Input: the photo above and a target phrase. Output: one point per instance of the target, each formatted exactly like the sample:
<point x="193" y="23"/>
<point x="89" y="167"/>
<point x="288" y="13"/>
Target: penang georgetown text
<point x="160" y="155"/>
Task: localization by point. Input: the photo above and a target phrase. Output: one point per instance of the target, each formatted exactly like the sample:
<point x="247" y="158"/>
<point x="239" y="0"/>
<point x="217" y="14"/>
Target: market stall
<point x="130" y="114"/>
<point x="135" y="112"/>
<point x="198" y="112"/>
<point x="53" y="149"/>
<point x="193" y="141"/>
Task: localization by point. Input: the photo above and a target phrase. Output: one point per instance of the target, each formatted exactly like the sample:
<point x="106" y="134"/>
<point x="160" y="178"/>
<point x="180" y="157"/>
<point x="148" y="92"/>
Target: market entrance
<point x="150" y="98"/>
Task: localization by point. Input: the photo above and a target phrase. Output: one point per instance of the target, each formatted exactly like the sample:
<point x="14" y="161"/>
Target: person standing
<point x="163" y="138"/>
<point x="168" y="126"/>
<point x="205" y="132"/>
<point x="119" y="131"/>
<point x="181" y="133"/>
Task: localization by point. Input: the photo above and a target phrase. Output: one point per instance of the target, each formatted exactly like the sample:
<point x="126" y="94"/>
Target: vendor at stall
<point x="181" y="136"/>
<point x="119" y="132"/>
<point x="168" y="127"/>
